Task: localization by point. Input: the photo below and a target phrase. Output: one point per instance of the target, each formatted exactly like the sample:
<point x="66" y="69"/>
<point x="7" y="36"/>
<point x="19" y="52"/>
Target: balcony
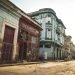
<point x="58" y="30"/>
<point x="48" y="38"/>
<point x="58" y="43"/>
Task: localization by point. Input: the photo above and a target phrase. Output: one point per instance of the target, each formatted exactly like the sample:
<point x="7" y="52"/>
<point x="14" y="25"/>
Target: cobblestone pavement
<point x="49" y="68"/>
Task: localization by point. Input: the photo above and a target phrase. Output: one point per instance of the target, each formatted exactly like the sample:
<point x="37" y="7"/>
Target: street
<point x="47" y="68"/>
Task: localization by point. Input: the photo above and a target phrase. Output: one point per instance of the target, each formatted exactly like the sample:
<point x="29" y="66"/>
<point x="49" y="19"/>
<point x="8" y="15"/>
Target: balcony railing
<point x="58" y="30"/>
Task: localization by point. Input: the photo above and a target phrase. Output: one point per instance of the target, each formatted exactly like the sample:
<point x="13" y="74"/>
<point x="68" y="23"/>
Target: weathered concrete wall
<point x="11" y="20"/>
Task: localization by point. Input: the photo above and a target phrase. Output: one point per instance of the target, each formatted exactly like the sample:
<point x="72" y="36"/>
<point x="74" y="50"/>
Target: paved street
<point x="48" y="68"/>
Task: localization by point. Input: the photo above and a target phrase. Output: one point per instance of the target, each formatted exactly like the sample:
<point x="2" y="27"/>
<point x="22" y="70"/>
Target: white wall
<point x="12" y="21"/>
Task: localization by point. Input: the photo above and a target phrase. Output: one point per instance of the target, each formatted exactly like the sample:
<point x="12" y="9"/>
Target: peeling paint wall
<point x="11" y="20"/>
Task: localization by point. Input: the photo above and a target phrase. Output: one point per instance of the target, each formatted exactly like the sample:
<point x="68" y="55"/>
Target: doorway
<point x="22" y="51"/>
<point x="7" y="46"/>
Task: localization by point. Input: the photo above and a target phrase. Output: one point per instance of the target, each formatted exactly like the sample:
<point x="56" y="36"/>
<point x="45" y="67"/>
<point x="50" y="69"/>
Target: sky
<point x="65" y="10"/>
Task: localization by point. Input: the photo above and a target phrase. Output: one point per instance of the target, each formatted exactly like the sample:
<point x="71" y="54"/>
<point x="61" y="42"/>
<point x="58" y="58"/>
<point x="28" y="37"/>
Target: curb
<point x="29" y="63"/>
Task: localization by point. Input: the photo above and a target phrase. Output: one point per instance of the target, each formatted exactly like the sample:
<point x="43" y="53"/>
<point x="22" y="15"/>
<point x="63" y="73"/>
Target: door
<point x="22" y="51"/>
<point x="7" y="45"/>
<point x="23" y="37"/>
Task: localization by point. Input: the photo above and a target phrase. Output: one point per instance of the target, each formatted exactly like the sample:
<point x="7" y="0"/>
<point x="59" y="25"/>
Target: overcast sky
<point x="65" y="10"/>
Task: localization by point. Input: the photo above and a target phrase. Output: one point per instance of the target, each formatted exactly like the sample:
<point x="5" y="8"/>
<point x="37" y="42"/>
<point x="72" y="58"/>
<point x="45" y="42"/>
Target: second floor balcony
<point x="58" y="30"/>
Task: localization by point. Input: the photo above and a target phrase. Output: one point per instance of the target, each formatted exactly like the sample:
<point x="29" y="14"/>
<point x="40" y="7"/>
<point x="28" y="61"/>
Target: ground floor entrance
<point x="22" y="51"/>
<point x="7" y="46"/>
<point x="50" y="51"/>
<point x="58" y="53"/>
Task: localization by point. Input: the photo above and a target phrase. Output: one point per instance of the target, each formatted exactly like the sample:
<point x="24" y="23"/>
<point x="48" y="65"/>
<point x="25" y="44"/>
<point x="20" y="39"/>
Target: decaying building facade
<point x="17" y="34"/>
<point x="9" y="21"/>
<point x="29" y="34"/>
<point x="69" y="48"/>
<point x="52" y="36"/>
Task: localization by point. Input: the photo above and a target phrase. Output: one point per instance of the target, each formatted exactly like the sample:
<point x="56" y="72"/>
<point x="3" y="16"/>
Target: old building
<point x="19" y="34"/>
<point x="67" y="44"/>
<point x="69" y="48"/>
<point x="72" y="46"/>
<point x="29" y="39"/>
<point x="52" y="36"/>
<point x="9" y="20"/>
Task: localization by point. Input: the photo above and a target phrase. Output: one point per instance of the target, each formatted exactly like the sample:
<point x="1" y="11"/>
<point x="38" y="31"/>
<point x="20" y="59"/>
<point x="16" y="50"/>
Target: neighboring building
<point x="52" y="36"/>
<point x="29" y="39"/>
<point x="19" y="34"/>
<point x="73" y="50"/>
<point x="69" y="48"/>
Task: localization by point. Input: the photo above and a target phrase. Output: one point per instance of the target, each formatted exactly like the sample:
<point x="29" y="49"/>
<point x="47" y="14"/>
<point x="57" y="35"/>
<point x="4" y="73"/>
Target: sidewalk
<point x="29" y="63"/>
<point x="21" y="63"/>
